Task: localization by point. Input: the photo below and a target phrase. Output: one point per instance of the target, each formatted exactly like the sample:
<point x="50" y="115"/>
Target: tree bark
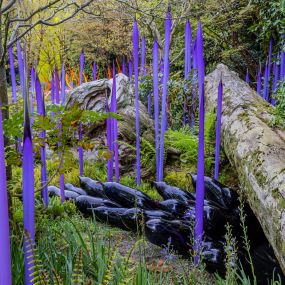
<point x="3" y="90"/>
<point x="255" y="149"/>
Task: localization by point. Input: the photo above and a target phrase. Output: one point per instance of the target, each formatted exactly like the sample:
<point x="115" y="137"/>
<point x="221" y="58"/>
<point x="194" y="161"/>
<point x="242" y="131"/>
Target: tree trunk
<point x="5" y="111"/>
<point x="255" y="149"/>
<point x="3" y="91"/>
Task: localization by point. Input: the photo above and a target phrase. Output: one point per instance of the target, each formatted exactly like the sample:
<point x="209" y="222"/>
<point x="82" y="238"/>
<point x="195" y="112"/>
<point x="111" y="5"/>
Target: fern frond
<point x="77" y="276"/>
<point x="38" y="275"/>
<point x="108" y="275"/>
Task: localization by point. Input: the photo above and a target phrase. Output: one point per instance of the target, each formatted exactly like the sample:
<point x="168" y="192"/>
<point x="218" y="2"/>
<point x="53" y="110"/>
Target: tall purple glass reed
<point x="21" y="67"/>
<point x="115" y="127"/>
<point x="80" y="135"/>
<point x="135" y="39"/>
<point x="63" y="86"/>
<point x="41" y="111"/>
<point x="13" y="75"/>
<point x="200" y="188"/>
<point x="282" y="65"/>
<point x="5" y="255"/>
<point x="110" y="146"/>
<point x="218" y="130"/>
<point x="32" y="92"/>
<point x="168" y="24"/>
<point x="57" y="101"/>
<point x="275" y="80"/>
<point x="156" y="104"/>
<point x="258" y="86"/>
<point x="194" y="84"/>
<point x="247" y="77"/>
<point x="143" y="52"/>
<point x="187" y="64"/>
<point x="130" y="71"/>
<point x="265" y="83"/>
<point x="28" y="193"/>
<point x="124" y="66"/>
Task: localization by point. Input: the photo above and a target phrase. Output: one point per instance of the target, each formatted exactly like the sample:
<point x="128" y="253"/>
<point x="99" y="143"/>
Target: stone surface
<point x="255" y="149"/>
<point x="93" y="96"/>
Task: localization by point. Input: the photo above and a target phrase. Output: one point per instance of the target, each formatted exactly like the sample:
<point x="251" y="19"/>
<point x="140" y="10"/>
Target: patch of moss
<point x="179" y="179"/>
<point x="275" y="193"/>
<point x="281" y="204"/>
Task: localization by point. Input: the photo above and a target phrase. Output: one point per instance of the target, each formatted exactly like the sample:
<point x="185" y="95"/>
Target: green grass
<point x="72" y="250"/>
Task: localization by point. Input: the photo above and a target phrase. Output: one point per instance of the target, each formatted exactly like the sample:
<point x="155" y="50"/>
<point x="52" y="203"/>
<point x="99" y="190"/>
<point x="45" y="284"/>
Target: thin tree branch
<point x="5" y="41"/>
<point x="40" y="9"/>
<point x="8" y="6"/>
<point x="47" y="19"/>
<point x="47" y="22"/>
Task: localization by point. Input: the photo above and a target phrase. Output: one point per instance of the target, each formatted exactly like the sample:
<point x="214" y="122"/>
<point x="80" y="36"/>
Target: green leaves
<point x="13" y="127"/>
<point x="60" y="141"/>
<point x="279" y="118"/>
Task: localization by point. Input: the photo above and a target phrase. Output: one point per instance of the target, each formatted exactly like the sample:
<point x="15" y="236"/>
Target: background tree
<point x="19" y="18"/>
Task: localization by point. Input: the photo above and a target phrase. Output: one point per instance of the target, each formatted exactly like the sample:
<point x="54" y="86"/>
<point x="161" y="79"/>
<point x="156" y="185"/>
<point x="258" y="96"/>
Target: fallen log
<point x="255" y="149"/>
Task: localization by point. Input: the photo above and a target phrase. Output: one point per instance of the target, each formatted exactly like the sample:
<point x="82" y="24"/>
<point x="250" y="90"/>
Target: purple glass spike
<point x="63" y="84"/>
<point x="61" y="184"/>
<point x="41" y="111"/>
<point x="80" y="150"/>
<point x="200" y="189"/>
<point x="143" y="52"/>
<point x="80" y="136"/>
<point x="109" y="145"/>
<point x="247" y="77"/>
<point x="115" y="126"/>
<point x="28" y="193"/>
<point x="187" y="64"/>
<point x="168" y="24"/>
<point x="275" y="80"/>
<point x="218" y="130"/>
<point x="57" y="98"/>
<point x="194" y="83"/>
<point x="81" y="67"/>
<point x="94" y="70"/>
<point x="258" y="87"/>
<point x="269" y="65"/>
<point x="265" y="83"/>
<point x="52" y="89"/>
<point x="5" y="255"/>
<point x="282" y="65"/>
<point x="32" y="92"/>
<point x="21" y="67"/>
<point x="13" y="75"/>
<point x="161" y="68"/>
<point x="56" y="86"/>
<point x="124" y="66"/>
<point x="187" y="50"/>
<point x="156" y="103"/>
<point x="135" y="39"/>
<point x="130" y="71"/>
<point x="266" y="86"/>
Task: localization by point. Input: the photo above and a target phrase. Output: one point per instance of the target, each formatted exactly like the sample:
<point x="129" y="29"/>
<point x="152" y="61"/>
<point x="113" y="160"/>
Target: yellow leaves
<point x="106" y="154"/>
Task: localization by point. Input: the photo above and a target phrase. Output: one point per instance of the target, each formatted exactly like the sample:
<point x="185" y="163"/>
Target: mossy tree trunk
<point x="255" y="149"/>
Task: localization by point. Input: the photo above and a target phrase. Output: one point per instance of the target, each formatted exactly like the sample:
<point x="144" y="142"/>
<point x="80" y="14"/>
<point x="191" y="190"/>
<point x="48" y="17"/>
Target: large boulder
<point x="255" y="149"/>
<point x="94" y="96"/>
